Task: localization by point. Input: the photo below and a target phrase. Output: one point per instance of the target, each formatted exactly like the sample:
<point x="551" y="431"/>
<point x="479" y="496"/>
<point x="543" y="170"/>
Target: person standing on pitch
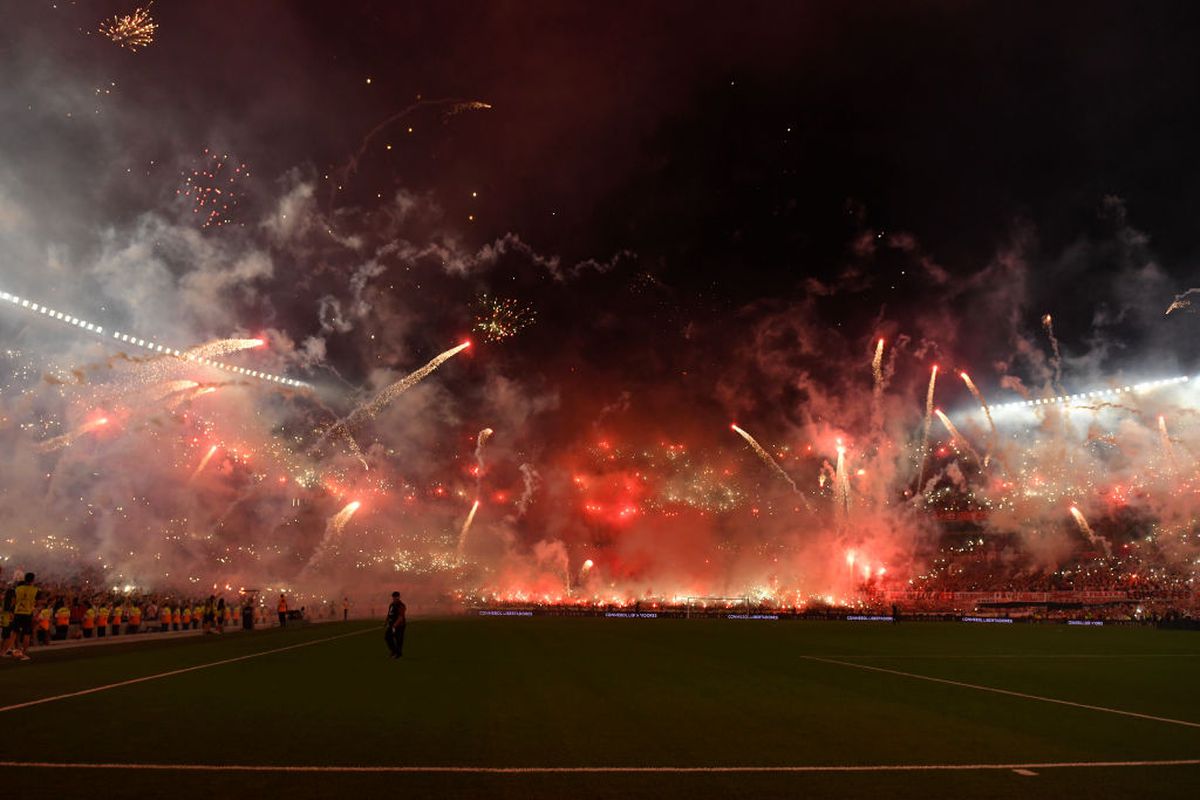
<point x="393" y="634"/>
<point x="345" y="609"/>
<point x="282" y="608"/>
<point x="21" y="627"/>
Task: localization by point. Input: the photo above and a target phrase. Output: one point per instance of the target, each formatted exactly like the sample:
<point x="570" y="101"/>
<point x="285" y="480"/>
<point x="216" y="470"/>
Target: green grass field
<point x="584" y="692"/>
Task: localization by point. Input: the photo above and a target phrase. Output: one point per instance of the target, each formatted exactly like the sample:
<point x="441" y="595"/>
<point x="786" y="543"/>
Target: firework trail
<point x="841" y="482"/>
<point x="221" y="347"/>
<point x="877" y="389"/>
<point x="1165" y="439"/>
<point x="466" y="526"/>
<point x="181" y="398"/>
<point x="401" y="386"/>
<point x="480" y="441"/>
<point x="765" y="457"/>
<point x="59" y="442"/>
<point x="344" y="173"/>
<point x="532" y="480"/>
<point x="1087" y="531"/>
<point x="1181" y="301"/>
<point x="1048" y="324"/>
<point x="333" y="529"/>
<point x="957" y="437"/>
<point x="987" y="412"/>
<point x="343" y="427"/>
<point x="925" y="429"/>
<point x="132" y="30"/>
<point x="212" y="451"/>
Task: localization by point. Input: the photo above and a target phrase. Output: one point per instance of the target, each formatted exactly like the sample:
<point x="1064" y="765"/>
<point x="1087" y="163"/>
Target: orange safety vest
<point x="135" y="615"/>
<point x="89" y="618"/>
<point x="44" y="619"/>
<point x="117" y="613"/>
<point x="165" y="614"/>
<point x="62" y="616"/>
<point x="282" y="606"/>
<point x="102" y="616"/>
<point x="187" y="615"/>
<point x="175" y="617"/>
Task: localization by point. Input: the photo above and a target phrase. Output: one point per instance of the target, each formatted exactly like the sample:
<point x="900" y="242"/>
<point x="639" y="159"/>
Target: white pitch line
<point x="937" y="656"/>
<point x="1008" y="692"/>
<point x="181" y="671"/>
<point x="816" y="768"/>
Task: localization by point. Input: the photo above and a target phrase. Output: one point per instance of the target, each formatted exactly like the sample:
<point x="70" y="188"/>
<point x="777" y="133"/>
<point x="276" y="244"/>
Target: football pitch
<point x="592" y="707"/>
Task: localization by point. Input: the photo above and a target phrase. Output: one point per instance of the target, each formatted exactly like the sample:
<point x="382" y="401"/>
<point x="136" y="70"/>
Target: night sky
<point x="713" y="209"/>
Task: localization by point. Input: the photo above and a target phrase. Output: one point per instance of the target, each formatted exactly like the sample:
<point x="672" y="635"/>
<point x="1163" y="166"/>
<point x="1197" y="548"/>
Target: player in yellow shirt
<point x="24" y="603"/>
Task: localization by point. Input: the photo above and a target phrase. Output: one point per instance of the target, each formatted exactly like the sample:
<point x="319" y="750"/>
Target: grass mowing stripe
<point x="1180" y="762"/>
<point x="169" y="673"/>
<point x="1008" y="692"/>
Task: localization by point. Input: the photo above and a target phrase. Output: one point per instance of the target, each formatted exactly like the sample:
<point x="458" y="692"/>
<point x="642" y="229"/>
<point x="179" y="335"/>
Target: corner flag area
<point x="552" y="707"/>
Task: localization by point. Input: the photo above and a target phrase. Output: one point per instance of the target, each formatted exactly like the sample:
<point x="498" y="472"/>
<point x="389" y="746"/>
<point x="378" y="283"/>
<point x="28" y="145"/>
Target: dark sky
<point x="737" y="149"/>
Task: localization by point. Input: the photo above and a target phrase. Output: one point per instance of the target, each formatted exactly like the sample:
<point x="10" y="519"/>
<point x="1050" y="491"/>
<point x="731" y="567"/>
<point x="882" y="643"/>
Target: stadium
<point x="551" y="400"/>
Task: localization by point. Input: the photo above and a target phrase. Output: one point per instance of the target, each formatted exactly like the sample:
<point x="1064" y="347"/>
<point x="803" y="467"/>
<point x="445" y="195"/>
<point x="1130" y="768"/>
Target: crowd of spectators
<point x="60" y="611"/>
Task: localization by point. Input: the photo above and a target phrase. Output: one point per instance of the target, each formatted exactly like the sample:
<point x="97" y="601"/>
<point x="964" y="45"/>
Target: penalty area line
<point x="1008" y="692"/>
<point x="181" y="671"/>
<point x="815" y="768"/>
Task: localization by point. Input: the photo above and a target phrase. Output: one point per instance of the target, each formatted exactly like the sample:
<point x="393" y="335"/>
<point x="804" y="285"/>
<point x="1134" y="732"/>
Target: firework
<point x="371" y="409"/>
<point x="213" y="189"/>
<point x="841" y="482"/>
<point x="480" y="441"/>
<point x="987" y="412"/>
<point x="466" y="526"/>
<point x="340" y="176"/>
<point x="221" y="347"/>
<point x="146" y="344"/>
<point x="770" y="462"/>
<point x="499" y="318"/>
<point x="957" y="437"/>
<point x="1165" y="439"/>
<point x="925" y="429"/>
<point x="401" y="386"/>
<point x="59" y="442"/>
<point x="469" y="105"/>
<point x="212" y="451"/>
<point x="1181" y="301"/>
<point x="333" y="529"/>
<point x="1087" y="531"/>
<point x="1056" y="361"/>
<point x="132" y="30"/>
<point x="877" y="388"/>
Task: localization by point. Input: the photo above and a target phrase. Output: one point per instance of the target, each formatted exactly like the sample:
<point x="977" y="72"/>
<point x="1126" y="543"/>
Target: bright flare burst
<point x="500" y="318"/>
<point x="132" y="30"/>
<point x="212" y="189"/>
